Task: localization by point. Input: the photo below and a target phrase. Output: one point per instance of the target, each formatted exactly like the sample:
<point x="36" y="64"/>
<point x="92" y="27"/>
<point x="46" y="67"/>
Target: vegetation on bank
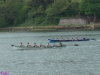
<point x="16" y="13"/>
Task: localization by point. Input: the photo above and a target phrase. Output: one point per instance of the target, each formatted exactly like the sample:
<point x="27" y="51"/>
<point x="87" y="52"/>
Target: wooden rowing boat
<point x="35" y="48"/>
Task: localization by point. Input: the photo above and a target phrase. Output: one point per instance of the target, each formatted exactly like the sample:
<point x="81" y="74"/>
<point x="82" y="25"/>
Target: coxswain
<point x="60" y="44"/>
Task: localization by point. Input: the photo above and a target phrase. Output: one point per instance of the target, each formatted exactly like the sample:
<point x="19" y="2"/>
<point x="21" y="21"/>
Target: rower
<point x="83" y="38"/>
<point x="35" y="45"/>
<point x="42" y="45"/>
<point x="55" y="45"/>
<point x="21" y="45"/>
<point x="29" y="45"/>
<point x="72" y="38"/>
<point x="52" y="38"/>
<point x="49" y="46"/>
<point x="77" y="38"/>
<point x="67" y="38"/>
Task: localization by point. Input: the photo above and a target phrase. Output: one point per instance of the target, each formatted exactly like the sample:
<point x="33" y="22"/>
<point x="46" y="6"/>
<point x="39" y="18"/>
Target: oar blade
<point x="12" y="45"/>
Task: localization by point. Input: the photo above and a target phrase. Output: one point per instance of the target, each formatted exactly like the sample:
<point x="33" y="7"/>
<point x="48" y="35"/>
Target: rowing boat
<point x="73" y="40"/>
<point x="35" y="48"/>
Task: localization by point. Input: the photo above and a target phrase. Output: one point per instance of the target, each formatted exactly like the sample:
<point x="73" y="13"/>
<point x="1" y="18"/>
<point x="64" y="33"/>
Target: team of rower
<point x="41" y="45"/>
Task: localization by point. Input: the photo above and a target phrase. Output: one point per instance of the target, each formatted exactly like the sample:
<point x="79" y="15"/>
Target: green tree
<point x="90" y="7"/>
<point x="57" y="7"/>
<point x="13" y="12"/>
<point x="72" y="10"/>
<point x="38" y="3"/>
<point x="3" y="14"/>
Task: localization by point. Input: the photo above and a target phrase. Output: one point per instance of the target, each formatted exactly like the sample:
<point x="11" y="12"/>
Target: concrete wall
<point x="72" y="21"/>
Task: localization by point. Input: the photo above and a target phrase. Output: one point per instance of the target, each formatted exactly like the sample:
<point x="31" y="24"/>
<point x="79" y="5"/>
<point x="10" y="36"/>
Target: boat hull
<point x="35" y="48"/>
<point x="52" y="40"/>
<point x="24" y="48"/>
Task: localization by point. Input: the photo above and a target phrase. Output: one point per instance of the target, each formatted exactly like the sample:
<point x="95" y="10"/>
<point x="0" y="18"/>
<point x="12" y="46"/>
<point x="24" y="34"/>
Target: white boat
<point x="34" y="48"/>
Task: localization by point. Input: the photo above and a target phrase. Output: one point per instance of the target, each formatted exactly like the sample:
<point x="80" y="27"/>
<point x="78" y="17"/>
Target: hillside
<point x="17" y="13"/>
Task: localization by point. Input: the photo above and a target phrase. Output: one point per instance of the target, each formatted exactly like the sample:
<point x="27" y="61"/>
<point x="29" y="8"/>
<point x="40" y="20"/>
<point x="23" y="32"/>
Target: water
<point x="71" y="60"/>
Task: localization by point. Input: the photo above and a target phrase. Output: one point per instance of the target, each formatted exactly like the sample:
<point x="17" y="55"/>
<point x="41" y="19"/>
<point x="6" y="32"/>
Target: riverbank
<point x="52" y="28"/>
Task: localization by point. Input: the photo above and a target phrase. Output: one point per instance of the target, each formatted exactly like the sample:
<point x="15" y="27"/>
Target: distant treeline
<point x="44" y="12"/>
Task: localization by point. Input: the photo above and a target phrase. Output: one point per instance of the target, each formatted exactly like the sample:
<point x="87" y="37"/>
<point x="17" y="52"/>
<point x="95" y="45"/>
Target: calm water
<point x="70" y="60"/>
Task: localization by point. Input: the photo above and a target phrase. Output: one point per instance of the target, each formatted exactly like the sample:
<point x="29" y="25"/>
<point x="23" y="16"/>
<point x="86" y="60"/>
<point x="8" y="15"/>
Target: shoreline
<point x="51" y="28"/>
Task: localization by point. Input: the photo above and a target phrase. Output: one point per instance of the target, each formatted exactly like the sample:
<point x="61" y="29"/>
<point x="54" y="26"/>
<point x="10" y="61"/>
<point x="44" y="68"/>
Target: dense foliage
<point x="90" y="7"/>
<point x="44" y="12"/>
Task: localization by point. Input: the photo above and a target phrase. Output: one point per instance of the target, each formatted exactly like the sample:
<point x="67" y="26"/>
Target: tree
<point x="72" y="10"/>
<point x="57" y="7"/>
<point x="90" y="7"/>
<point x="12" y="12"/>
<point x="37" y="3"/>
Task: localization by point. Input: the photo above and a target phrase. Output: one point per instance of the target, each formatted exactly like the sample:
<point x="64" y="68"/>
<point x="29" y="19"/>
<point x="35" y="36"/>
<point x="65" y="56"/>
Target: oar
<point x="12" y="45"/>
<point x="76" y="45"/>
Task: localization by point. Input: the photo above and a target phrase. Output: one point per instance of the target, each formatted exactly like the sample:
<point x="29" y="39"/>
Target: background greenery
<point x="44" y="12"/>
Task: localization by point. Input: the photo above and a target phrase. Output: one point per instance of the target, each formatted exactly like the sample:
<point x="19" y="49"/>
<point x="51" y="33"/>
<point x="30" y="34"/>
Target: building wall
<point x="72" y="21"/>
